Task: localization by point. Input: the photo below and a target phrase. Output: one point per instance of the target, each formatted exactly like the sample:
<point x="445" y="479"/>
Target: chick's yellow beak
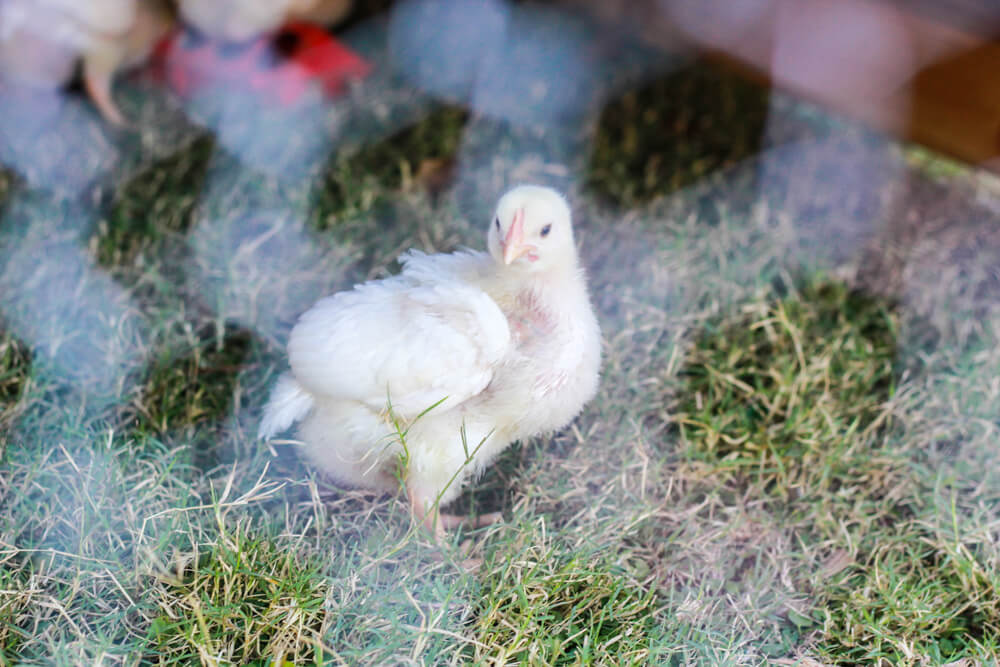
<point x="513" y="244"/>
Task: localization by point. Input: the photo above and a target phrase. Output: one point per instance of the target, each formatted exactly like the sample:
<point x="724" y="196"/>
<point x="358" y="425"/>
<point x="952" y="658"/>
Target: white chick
<point x="113" y="53"/>
<point x="471" y="350"/>
<point x="242" y="20"/>
<point x="42" y="40"/>
<point x="36" y="50"/>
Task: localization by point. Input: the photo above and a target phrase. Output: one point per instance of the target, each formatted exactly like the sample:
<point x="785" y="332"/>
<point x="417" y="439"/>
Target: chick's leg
<point x="454" y="520"/>
<point x="97" y="81"/>
<point x="438" y="522"/>
<point x="426" y="513"/>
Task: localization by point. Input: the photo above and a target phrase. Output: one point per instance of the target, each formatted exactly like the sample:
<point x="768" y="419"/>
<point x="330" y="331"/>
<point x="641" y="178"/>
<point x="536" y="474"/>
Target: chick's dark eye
<point x="546" y="229"/>
<point x="496" y="221"/>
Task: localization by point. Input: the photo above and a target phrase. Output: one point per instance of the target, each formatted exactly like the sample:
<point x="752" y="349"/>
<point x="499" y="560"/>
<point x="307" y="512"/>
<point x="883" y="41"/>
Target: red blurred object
<point x="279" y="67"/>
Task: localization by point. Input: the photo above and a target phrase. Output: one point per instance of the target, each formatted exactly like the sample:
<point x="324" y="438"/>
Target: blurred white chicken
<point x="242" y="20"/>
<point x="42" y="40"/>
<point x="471" y="350"/>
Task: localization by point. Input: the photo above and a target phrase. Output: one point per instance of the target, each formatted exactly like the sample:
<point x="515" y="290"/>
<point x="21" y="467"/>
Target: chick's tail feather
<point x="288" y="404"/>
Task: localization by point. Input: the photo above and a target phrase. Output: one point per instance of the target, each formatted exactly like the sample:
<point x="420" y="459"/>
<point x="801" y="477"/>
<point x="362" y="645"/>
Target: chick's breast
<point x="554" y="368"/>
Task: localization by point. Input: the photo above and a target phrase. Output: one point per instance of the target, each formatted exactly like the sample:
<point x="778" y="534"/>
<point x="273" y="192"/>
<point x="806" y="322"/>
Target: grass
<point x="793" y="395"/>
<point x="780" y="467"/>
<point x="191" y="384"/>
<point x="794" y="401"/>
<point x="244" y="598"/>
<point x="543" y="605"/>
<point x="689" y="110"/>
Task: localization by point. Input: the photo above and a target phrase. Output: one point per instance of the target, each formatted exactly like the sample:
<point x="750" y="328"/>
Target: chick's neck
<point x="557" y="290"/>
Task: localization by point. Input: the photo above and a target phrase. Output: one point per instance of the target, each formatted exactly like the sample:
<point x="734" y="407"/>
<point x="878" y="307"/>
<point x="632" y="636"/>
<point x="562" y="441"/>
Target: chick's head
<point x="532" y="230"/>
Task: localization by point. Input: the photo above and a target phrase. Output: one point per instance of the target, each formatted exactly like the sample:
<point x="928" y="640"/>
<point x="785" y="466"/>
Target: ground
<point x="790" y="459"/>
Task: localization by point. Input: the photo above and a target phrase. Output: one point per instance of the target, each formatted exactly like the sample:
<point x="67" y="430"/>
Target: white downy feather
<point x="288" y="404"/>
<point x="412" y="344"/>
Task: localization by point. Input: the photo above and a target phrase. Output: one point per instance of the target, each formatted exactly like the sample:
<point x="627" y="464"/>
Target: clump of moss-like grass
<point x="542" y="607"/>
<point x="193" y="382"/>
<point x="15" y="364"/>
<point x="156" y="202"/>
<point x="792" y="401"/>
<point x="354" y="182"/>
<point x="17" y="599"/>
<point x="919" y="597"/>
<point x="675" y="130"/>
<point x="793" y="393"/>
<point x="245" y="600"/>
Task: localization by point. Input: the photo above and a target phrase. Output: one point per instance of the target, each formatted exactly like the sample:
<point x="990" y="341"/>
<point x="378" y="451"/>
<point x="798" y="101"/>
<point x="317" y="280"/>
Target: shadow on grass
<point x="496" y="490"/>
